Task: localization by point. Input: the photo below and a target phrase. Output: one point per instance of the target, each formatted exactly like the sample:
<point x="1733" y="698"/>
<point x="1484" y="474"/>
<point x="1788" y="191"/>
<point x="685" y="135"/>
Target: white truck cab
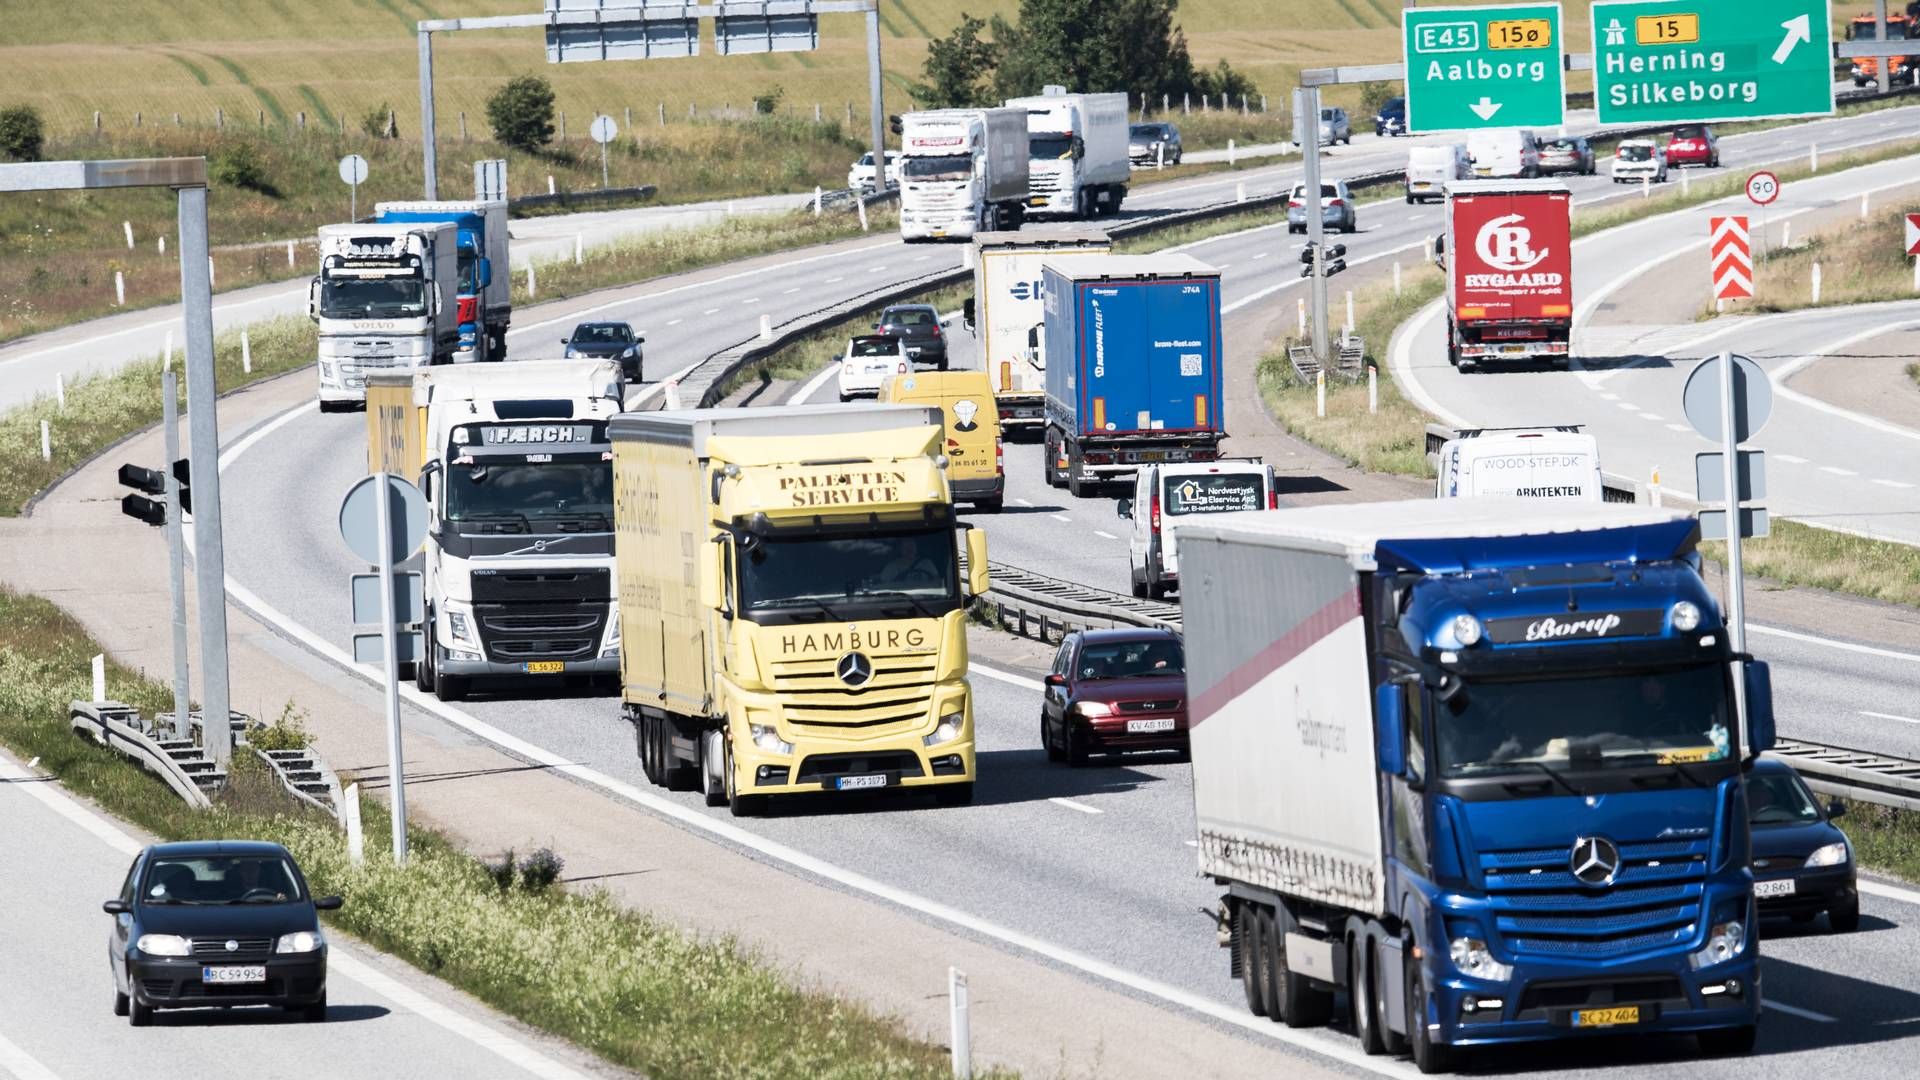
<point x="1553" y="464"/>
<point x="1165" y="495"/>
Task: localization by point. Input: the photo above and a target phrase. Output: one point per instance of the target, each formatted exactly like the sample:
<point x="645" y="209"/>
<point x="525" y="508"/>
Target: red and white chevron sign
<point x="1732" y="259"/>
<point x="1913" y="234"/>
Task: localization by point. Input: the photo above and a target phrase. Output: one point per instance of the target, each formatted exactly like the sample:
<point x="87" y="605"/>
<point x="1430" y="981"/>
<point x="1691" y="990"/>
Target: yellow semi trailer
<point x="791" y="593"/>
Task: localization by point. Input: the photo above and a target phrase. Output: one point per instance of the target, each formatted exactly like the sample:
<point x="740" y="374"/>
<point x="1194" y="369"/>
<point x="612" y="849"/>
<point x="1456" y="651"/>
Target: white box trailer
<point x="1078" y="145"/>
<point x="1559" y="464"/>
<point x="1010" y="308"/>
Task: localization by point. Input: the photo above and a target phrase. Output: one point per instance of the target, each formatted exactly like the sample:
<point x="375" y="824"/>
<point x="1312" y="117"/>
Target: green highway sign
<point x="1484" y="67"/>
<point x="1657" y="61"/>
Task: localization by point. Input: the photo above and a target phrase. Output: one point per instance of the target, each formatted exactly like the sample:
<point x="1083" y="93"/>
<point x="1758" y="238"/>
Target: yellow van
<point x="976" y="463"/>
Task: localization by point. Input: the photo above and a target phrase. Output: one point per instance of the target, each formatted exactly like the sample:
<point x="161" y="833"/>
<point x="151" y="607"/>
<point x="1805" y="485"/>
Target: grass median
<point x="1861" y="262"/>
<point x="810" y="355"/>
<point x="628" y="986"/>
<point x="1799" y="554"/>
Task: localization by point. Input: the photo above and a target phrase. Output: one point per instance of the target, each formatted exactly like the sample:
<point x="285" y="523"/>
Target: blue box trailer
<point x="1134" y="368"/>
<point x="485" y="296"/>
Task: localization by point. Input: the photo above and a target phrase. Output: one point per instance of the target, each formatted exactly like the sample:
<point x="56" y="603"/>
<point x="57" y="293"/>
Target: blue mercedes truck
<point x="486" y="289"/>
<point x="1479" y="763"/>
<point x="1133" y="367"/>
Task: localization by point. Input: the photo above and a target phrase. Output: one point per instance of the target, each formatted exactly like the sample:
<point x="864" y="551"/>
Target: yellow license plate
<point x="546" y="667"/>
<point x="1614" y="1017"/>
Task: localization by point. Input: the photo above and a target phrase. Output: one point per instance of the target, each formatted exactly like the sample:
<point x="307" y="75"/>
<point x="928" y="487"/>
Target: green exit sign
<point x="1484" y="67"/>
<point x="1658" y="61"/>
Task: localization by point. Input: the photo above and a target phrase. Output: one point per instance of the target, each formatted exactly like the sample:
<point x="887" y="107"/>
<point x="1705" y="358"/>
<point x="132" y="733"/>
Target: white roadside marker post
<point x="1813" y="157"/>
<point x="816" y="200"/>
<point x="100" y="677"/>
<point x="60" y="390"/>
<point x="1240" y="192"/>
<point x="350" y="820"/>
<point x="1230" y="153"/>
<point x="766" y="328"/>
<point x="1373" y="389"/>
<point x="1653" y="489"/>
<point x="46" y="441"/>
<point x="1301" y="305"/>
<point x="858" y="202"/>
<point x="1686" y="183"/>
<point x="128" y="227"/>
<point x="1863" y="206"/>
<point x="531" y="290"/>
<point x="1396" y="277"/>
<point x="579" y="250"/>
<point x="962" y="1037"/>
<point x="1786" y="234"/>
<point x="289" y="251"/>
<point x="166" y="353"/>
<point x="246" y="352"/>
<point x="1348" y="331"/>
<point x="119" y="289"/>
<point x="1320" y="394"/>
<point x="1816" y="283"/>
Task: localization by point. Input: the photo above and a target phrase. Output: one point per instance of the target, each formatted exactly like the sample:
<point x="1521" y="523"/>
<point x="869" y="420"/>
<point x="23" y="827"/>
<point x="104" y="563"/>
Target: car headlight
<point x="629" y="354"/>
<point x="1834" y="854"/>
<point x="1724" y="942"/>
<point x="768" y="739"/>
<point x="947" y="730"/>
<point x="163" y="945"/>
<point x="1472" y="958"/>
<point x="462" y="628"/>
<point x="304" y="941"/>
<point x="1091" y="709"/>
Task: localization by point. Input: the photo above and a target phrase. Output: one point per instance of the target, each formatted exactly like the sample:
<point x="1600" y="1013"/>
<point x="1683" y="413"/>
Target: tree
<point x="21" y="133"/>
<point x="1094" y="46"/>
<point x="1225" y="84"/>
<point x="381" y="123"/>
<point x="521" y="113"/>
<point x="956" y="68"/>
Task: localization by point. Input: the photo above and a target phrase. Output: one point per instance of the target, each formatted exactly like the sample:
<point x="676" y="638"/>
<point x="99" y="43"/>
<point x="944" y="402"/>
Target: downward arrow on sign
<point x="1484" y="109"/>
<point x="1798" y="29"/>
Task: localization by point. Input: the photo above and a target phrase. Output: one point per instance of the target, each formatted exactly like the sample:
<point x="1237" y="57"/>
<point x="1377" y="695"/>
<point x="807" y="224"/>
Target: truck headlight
<point x="462" y="628"/>
<point x="1472" y="958"/>
<point x="1466" y="629"/>
<point x="1724" y="942"/>
<point x="1834" y="854"/>
<point x="304" y="941"/>
<point x="768" y="739"/>
<point x="947" y="730"/>
<point x="1686" y="616"/>
<point x="612" y="647"/>
<point x="163" y="945"/>
<point x="326" y="371"/>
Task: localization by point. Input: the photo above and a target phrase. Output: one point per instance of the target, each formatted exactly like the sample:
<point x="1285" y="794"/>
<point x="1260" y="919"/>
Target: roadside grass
<point x="625" y="985"/>
<point x="1860" y="262"/>
<point x="1885" y="840"/>
<point x="1179" y="235"/>
<point x="102" y="409"/>
<point x="1913" y="372"/>
<point x="1800" y="554"/>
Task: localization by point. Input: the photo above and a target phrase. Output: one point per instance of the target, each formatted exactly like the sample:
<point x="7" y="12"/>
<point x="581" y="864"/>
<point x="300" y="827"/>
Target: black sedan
<point x="608" y="341"/>
<point x="918" y="328"/>
<point x="1802" y="863"/>
<point x="217" y="923"/>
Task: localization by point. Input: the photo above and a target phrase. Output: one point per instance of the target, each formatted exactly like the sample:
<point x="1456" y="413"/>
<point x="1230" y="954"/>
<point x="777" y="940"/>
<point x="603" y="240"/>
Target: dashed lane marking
<point x="1790" y="1010"/>
<point x="1080" y="806"/>
<point x="1837" y="470"/>
<point x="1105" y="535"/>
<point x="1889" y="716"/>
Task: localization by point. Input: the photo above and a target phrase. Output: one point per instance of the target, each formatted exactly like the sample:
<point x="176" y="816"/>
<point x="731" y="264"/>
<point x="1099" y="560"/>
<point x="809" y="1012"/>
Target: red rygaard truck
<point x="1509" y="261"/>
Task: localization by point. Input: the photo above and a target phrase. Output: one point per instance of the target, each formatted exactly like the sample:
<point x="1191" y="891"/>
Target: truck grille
<point x="1541" y="908"/>
<point x="896" y="696"/>
<point x="1043" y="184"/>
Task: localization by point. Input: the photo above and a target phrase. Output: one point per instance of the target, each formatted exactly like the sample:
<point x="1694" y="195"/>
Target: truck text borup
<point x="1509" y="255"/>
<point x="1133" y="367"/>
<point x="1479" y="762"/>
<point x="792" y="602"/>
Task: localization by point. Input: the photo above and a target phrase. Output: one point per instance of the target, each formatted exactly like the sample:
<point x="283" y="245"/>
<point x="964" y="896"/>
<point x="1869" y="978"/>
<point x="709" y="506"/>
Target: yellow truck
<point x="793" y="601"/>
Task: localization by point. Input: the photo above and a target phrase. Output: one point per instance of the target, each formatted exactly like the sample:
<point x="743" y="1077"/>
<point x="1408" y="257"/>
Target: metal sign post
<point x="603" y="131"/>
<point x="176" y="553"/>
<point x="1306" y="119"/>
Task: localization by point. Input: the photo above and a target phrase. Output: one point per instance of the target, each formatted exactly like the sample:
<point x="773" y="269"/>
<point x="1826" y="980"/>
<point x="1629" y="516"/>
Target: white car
<point x="869" y="359"/>
<point x="1639" y="159"/>
<point x="860" y="173"/>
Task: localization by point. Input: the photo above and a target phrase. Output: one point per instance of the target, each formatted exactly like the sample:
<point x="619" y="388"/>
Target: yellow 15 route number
<point x="1677" y="29"/>
<point x="1520" y="34"/>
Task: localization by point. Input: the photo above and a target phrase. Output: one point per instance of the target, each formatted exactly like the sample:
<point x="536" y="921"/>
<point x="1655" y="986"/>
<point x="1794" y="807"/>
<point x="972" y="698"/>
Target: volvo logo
<point x="854" y="669"/>
<point x="232" y="945"/>
<point x="1595" y="860"/>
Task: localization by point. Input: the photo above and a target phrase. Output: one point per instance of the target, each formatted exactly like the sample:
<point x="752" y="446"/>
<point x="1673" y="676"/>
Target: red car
<point x="1115" y="691"/>
<point x="1693" y="144"/>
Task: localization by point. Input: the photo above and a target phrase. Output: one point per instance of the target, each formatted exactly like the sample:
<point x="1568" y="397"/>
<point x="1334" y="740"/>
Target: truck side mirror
<point x="978" y="580"/>
<point x="486" y="272"/>
<point x="313" y="299"/>
<point x="1389" y="723"/>
<point x="1125" y="508"/>
<point x="1759" y="706"/>
<point x="966" y="312"/>
<point x="713" y="591"/>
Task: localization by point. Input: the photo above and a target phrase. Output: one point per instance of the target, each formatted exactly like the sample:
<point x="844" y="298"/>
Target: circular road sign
<point x="1763" y="187"/>
<point x="604" y="129"/>
<point x="360" y="522"/>
<point x="1752" y="398"/>
<point x="353" y="170"/>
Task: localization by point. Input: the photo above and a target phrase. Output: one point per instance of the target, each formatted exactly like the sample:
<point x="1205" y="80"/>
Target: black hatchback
<point x="608" y="341"/>
<point x="217" y="923"/>
<point x="918" y="328"/>
<point x="1802" y="862"/>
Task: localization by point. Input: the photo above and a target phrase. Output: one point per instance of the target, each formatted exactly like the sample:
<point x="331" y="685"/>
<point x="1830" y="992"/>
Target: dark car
<point x="1567" y="154"/>
<point x="1391" y="120"/>
<point x="918" y="327"/>
<point x="608" y="341"/>
<point x="1802" y="862"/>
<point x="217" y="923"/>
<point x="1113" y="691"/>
<point x="1154" y="143"/>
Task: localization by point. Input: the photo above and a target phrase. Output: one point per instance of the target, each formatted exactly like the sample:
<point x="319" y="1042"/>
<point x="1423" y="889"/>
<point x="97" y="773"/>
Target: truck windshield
<point x="945" y="167"/>
<point x="519" y="496"/>
<point x="1050" y="147"/>
<point x="469" y="273"/>
<point x="373" y="298"/>
<point x="815" y="578"/>
<point x="1675" y="716"/>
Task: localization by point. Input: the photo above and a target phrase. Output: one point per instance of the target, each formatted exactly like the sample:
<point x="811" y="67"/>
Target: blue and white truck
<point x="1133" y="370"/>
<point x="486" y="289"/>
<point x="1479" y="763"/>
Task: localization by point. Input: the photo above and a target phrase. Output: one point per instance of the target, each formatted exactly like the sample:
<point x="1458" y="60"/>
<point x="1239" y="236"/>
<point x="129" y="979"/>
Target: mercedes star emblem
<point x="854" y="669"/>
<point x="1595" y="860"/>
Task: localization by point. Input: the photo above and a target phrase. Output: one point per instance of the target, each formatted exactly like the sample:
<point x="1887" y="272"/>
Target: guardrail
<point x="305" y="777"/>
<point x="1854" y="774"/>
<point x="179" y="763"/>
<point x="570" y="199"/>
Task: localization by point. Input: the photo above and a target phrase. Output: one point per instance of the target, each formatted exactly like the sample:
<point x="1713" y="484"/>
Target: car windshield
<point x="1690" y="133"/>
<point x="1131" y="660"/>
<point x="1050" y="147"/>
<point x="909" y="317"/>
<point x="1394" y="105"/>
<point x="1214" y="493"/>
<point x="1149" y="131"/>
<point x="602" y="335"/>
<point x="1779" y="799"/>
<point x="885" y="347"/>
<point x="945" y="167"/>
<point x="1327" y="191"/>
<point x="515" y="496"/>
<point x="1653" y="718"/>
<point x="834" y="577"/>
<point x="372" y="298"/>
<point x="1564" y="145"/>
<point x="221" y="879"/>
<point x="1327" y="115"/>
<point x="1630" y="152"/>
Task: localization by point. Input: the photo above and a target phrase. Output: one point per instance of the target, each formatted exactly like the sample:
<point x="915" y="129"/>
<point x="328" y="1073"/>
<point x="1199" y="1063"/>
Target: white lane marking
<point x="1189" y="843"/>
<point x="1893" y="483"/>
<point x="833" y="280"/>
<point x="1790" y="1010"/>
<point x="1678" y="427"/>
<point x="1790" y="459"/>
<point x="922" y="258"/>
<point x="1096" y="532"/>
<point x="1889" y="716"/>
<point x="670" y="322"/>
<point x="1603" y="397"/>
<point x="1007" y="677"/>
<point x="800" y="396"/>
<point x="1846" y="646"/>
<point x="21" y="1064"/>
<point x="143" y="328"/>
<point x="1626" y="406"/>
<point x="710" y="311"/>
<point x="1402" y="346"/>
<point x="1861" y="419"/>
<point x="1071" y="805"/>
<point x="347" y="964"/>
<point x="1017" y="499"/>
<point x="1792" y="367"/>
<point x="1837" y="470"/>
<point x="876" y="269"/>
<point x="1888" y="892"/>
<point x="1656" y="417"/>
<point x="749" y="300"/>
<point x="1223" y="266"/>
<point x="1062" y="517"/>
<point x="1256" y="258"/>
<point x="783" y="292"/>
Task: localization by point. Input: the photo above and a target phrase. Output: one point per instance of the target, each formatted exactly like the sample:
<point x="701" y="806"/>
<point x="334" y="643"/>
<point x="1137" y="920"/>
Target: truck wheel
<point x="643" y="745"/>
<point x="1291" y="998"/>
<point x="1074" y="487"/>
<point x="423" y="670"/>
<point x="712" y="785"/>
<point x="679" y="775"/>
<point x="1727" y="1042"/>
<point x="450" y="687"/>
<point x="1050" y="452"/>
<point x="1246" y="942"/>
<point x="1361" y="998"/>
<point x="1428" y="1056"/>
<point x="742" y="805"/>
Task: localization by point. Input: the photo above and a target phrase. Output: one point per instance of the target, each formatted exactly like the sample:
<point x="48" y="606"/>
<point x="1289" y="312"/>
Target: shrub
<point x="238" y="164"/>
<point x="287" y="733"/>
<point x="1374" y="95"/>
<point x="766" y="102"/>
<point x="381" y="123"/>
<point x="502" y="872"/>
<point x="540" y="870"/>
<point x="21" y="133"/>
<point x="521" y="113"/>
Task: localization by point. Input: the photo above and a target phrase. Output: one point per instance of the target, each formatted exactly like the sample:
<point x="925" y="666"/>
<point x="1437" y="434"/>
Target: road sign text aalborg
<point x="1659" y="61"/>
<point x="1732" y="259"/>
<point x="1483" y="67"/>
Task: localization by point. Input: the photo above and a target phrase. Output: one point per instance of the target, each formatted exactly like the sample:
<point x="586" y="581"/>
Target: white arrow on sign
<point x="1799" y="29"/>
<point x="1913" y="234"/>
<point x="1484" y="108"/>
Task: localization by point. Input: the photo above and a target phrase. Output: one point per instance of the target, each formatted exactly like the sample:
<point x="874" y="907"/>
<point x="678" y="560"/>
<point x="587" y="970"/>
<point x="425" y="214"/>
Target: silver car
<point x="1568" y="154"/>
<point x="1334" y="126"/>
<point x="1337" y="211"/>
<point x="1154" y="142"/>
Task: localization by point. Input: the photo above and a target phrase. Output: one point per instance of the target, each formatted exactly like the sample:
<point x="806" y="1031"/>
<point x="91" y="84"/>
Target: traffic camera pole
<point x="176" y="552"/>
<point x="390" y="644"/>
<point x="1736" y="577"/>
<point x="432" y="182"/>
<point x="1306" y="118"/>
<point x="210" y="559"/>
<point x="1885" y="66"/>
<point x="874" y="102"/>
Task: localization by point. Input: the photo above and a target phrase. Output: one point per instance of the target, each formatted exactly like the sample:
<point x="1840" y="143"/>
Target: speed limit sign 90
<point x="1763" y="187"/>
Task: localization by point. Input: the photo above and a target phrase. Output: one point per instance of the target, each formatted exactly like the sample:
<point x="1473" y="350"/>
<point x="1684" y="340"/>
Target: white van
<point x="1505" y="153"/>
<point x="1164" y="495"/>
<point x="1555" y="464"/>
<point x="1431" y="168"/>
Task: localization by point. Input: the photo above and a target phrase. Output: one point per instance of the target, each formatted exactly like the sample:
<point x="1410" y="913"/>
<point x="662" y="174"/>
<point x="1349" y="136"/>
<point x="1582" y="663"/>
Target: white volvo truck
<point x="515" y="462"/>
<point x="386" y="298"/>
<point x="1078" y="149"/>
<point x="962" y="171"/>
